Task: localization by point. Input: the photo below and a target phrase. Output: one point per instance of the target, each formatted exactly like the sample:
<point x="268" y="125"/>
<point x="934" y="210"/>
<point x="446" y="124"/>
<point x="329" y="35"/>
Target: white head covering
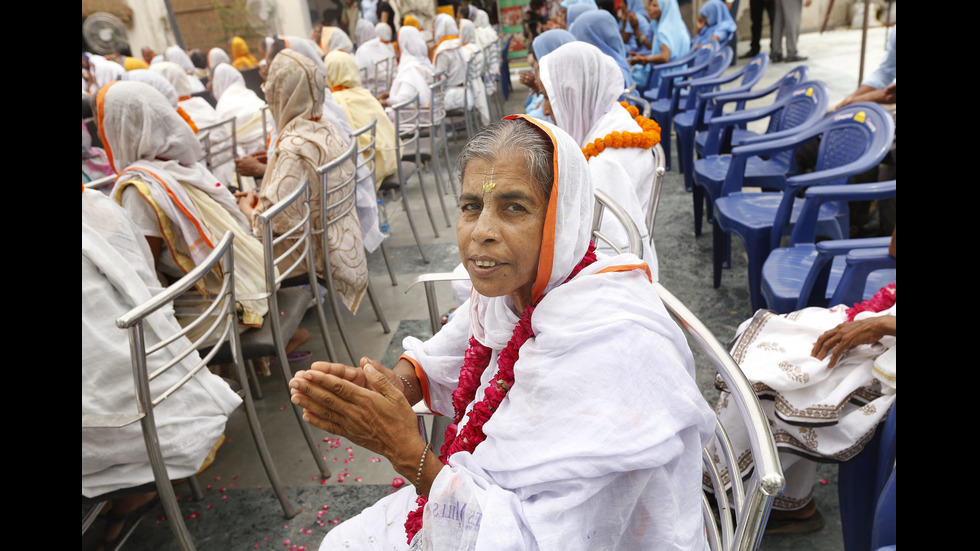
<point x="582" y="83"/>
<point x="364" y="31"/>
<point x="414" y="66"/>
<point x="217" y="56"/>
<point x="383" y="31"/>
<point x="175" y="75"/>
<point x="156" y="80"/>
<point x="176" y="55"/>
<point x="307" y="48"/>
<point x="223" y="78"/>
<point x="445" y="26"/>
<point x="467" y="32"/>
<point x="334" y="38"/>
<point x="567" y="231"/>
<point x="105" y="70"/>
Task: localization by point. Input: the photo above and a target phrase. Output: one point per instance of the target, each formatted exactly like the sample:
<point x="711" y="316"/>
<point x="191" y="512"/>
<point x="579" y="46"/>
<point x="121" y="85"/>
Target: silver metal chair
<point x="367" y="157"/>
<point x="660" y="162"/>
<point x="220" y="144"/>
<point x="219" y="321"/>
<point x="332" y="212"/>
<point x="437" y="144"/>
<point x="383" y="75"/>
<point x="464" y="111"/>
<point x="287" y="305"/>
<point x="604" y="202"/>
<point x="407" y="125"/>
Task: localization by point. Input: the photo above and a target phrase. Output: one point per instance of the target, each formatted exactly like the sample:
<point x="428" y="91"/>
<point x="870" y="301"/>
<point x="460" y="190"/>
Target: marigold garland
<point x="477" y="358"/>
<point x="618" y="140"/>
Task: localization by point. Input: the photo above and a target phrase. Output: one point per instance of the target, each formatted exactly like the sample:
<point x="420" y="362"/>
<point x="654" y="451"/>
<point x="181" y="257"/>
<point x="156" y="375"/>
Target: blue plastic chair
<point x="854" y="139"/>
<point x="798" y="111"/>
<point x="827" y="273"/>
<point x="651" y="88"/>
<point x="734" y="135"/>
<point x="866" y="491"/>
<point x="701" y="96"/>
<point x="680" y="92"/>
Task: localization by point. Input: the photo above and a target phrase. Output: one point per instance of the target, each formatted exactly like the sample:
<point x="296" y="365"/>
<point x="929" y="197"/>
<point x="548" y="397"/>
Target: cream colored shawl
<point x="305" y="141"/>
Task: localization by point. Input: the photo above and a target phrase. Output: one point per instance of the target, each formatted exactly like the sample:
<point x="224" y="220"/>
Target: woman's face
<point x="653" y="10"/>
<point x="500" y="225"/>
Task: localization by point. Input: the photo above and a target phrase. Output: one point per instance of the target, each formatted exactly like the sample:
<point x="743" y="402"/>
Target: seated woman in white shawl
<point x="118" y="275"/>
<point x="414" y="71"/>
<point x="826" y="377"/>
<point x="470" y="48"/>
<point x="448" y="58"/>
<point x="201" y="115"/>
<point x="374" y="52"/>
<point x="487" y="36"/>
<point x="181" y="208"/>
<point x="235" y="100"/>
<point x="217" y="56"/>
<point x="333" y="39"/>
<point x="305" y="140"/>
<point x="545" y="318"/>
<point x="583" y="86"/>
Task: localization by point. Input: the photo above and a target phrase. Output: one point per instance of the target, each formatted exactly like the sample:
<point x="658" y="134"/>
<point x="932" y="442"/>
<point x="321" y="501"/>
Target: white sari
<point x="628" y="475"/>
<point x="236" y="100"/>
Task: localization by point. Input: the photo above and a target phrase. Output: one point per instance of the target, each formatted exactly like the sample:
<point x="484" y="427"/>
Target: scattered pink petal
<point x="283" y="408"/>
<point x="286" y="527"/>
<point x="193" y="516"/>
<point x="234" y="484"/>
<point x="222" y="489"/>
<point x="324" y="481"/>
<point x="358" y="479"/>
<point x="824" y="481"/>
<point x="260" y="487"/>
<point x="235" y="477"/>
<point x="325" y="507"/>
<point x="320" y="514"/>
<point x="161" y="519"/>
<point x="286" y="543"/>
<point x="258" y="543"/>
<point x="397" y="482"/>
<point x="334" y="459"/>
<point x="224" y="497"/>
<point x="210" y="506"/>
<point x="217" y="478"/>
<point x="349" y="449"/>
<point x="208" y="487"/>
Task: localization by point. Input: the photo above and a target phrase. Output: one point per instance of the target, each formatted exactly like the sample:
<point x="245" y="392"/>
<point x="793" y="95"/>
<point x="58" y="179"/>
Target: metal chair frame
<point x="221" y="316"/>
<point x="103" y="184"/>
<point x="407" y="125"/>
<point x="213" y="151"/>
<point x="331" y="213"/>
<point x="367" y="157"/>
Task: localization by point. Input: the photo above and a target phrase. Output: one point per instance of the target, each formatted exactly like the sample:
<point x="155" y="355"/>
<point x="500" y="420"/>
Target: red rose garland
<point x="882" y="300"/>
<point x="476" y="360"/>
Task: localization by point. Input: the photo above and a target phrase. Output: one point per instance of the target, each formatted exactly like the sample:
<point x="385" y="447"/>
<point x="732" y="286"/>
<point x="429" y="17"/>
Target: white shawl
<point x="236" y="100"/>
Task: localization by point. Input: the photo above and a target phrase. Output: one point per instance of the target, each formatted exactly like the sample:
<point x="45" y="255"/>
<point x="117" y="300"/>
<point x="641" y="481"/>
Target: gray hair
<point x="511" y="135"/>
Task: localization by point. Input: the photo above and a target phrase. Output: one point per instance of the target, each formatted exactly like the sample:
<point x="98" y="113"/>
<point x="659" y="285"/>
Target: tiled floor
<point x="240" y="511"/>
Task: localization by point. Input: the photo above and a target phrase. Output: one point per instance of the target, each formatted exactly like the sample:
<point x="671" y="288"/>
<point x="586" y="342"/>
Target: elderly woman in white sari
<point x="217" y="56"/>
<point x="305" y="140"/>
<point x="415" y="71"/>
<point x="486" y="36"/>
<point x="118" y="275"/>
<point x="370" y="54"/>
<point x="583" y="86"/>
<point x="344" y="81"/>
<point x="470" y="48"/>
<point x="448" y="58"/>
<point x="545" y="311"/>
<point x="333" y="39"/>
<point x="181" y="208"/>
<point x="236" y="100"/>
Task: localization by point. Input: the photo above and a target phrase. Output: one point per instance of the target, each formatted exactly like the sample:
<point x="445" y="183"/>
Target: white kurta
<point x="117" y="275"/>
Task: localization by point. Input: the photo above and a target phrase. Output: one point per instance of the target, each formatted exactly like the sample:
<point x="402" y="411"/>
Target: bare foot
<point x="298" y="339"/>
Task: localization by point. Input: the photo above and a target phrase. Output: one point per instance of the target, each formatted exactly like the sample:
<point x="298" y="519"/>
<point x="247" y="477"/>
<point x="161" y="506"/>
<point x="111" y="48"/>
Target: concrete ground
<point x="239" y="510"/>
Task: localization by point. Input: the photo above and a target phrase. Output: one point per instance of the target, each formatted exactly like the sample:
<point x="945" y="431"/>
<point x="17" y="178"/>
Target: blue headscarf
<point x="570" y="3"/>
<point x="600" y="29"/>
<point x="549" y="41"/>
<point x="576" y="10"/>
<point x="671" y="30"/>
<point x="720" y="23"/>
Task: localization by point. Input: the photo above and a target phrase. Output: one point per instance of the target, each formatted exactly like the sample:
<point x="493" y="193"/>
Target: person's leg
<point x="792" y="12"/>
<point x="776" y="44"/>
<point x="795" y="511"/>
<point x="756" y="8"/>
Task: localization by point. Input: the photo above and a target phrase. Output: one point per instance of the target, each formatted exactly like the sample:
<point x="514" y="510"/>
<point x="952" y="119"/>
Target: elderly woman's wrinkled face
<point x="500" y="225"/>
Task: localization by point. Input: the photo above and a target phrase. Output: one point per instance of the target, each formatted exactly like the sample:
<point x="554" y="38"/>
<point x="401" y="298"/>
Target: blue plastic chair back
<point x="801" y="107"/>
<point x="717" y="64"/>
<point x="862" y="480"/>
<point x="785" y="87"/>
<point x="695" y="58"/>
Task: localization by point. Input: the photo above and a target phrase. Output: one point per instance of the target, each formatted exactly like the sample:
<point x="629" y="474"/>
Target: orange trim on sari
<point x="628" y="268"/>
<point x="179" y="205"/>
<point x="100" y="117"/>
<point x="436" y="49"/>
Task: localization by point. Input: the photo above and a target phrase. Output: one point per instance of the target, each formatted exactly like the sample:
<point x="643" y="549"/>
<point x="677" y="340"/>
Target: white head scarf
<point x="414" y="66"/>
<point x="364" y="31"/>
<point x="157" y="81"/>
<point x="176" y="55"/>
<point x="383" y="31"/>
<point x="467" y="32"/>
<point x="334" y="38"/>
<point x="445" y="26"/>
<point x="217" y="56"/>
<point x="223" y="78"/>
<point x="567" y="231"/>
<point x="106" y="71"/>
<point x="175" y="75"/>
<point x="582" y="83"/>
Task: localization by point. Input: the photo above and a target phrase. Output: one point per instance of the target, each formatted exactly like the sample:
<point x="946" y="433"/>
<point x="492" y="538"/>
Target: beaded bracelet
<point x="418" y="477"/>
<point x="411" y="389"/>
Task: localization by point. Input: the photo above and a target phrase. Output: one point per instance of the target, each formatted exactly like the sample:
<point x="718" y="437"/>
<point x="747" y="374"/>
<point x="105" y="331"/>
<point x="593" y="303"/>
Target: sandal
<point x="796" y="525"/>
<point x="295" y="357"/>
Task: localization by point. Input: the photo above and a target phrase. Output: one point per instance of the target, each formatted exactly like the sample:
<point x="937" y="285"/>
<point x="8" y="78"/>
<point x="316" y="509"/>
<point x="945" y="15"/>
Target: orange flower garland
<point x="617" y="140"/>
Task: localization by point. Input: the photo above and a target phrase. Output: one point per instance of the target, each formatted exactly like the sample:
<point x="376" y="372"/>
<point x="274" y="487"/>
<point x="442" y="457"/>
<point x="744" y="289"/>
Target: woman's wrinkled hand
<point x="849" y="334"/>
<point x="360" y="404"/>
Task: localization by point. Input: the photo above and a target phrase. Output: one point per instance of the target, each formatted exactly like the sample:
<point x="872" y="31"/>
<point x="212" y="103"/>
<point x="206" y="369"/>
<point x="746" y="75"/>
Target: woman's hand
<point x="849" y="334"/>
<point x="247" y="201"/>
<point x="362" y="405"/>
<point x="251" y="165"/>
